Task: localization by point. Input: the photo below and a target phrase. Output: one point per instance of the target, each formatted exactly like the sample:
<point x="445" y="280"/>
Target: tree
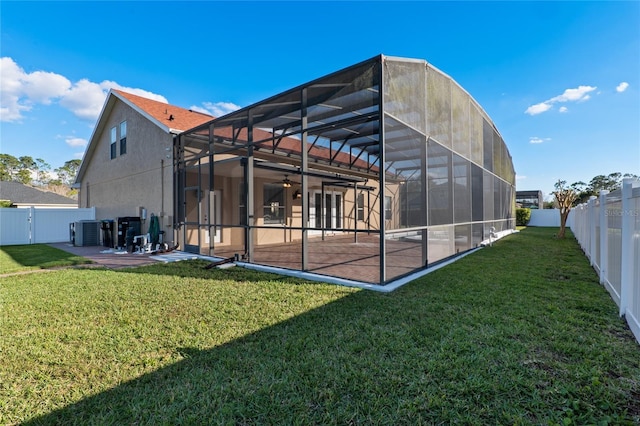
<point x="67" y="173"/>
<point x="565" y="198"/>
<point x="9" y="166"/>
<point x="24" y="176"/>
<point x="610" y="182"/>
<point x="22" y="169"/>
<point x="42" y="171"/>
<point x="28" y="171"/>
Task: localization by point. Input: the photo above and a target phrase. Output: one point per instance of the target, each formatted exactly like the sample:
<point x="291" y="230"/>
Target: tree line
<point x="568" y="196"/>
<point x="37" y="172"/>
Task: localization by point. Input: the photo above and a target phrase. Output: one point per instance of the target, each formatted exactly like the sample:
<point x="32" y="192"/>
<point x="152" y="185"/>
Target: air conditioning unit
<point x="87" y="233"/>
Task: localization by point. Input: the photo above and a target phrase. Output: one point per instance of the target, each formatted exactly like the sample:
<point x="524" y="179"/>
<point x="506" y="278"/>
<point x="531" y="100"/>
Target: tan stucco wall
<point x="143" y="177"/>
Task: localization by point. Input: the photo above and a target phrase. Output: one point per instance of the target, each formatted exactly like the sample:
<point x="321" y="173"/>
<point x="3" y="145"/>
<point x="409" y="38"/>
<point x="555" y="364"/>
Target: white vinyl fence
<point x="608" y="230"/>
<point x="37" y="226"/>
<point x="548" y="217"/>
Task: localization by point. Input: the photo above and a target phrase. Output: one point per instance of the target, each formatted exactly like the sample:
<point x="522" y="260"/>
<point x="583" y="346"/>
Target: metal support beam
<point x="423" y="201"/>
<point x="248" y="173"/>
<point x="383" y="260"/>
<point x="211" y="215"/>
<point x="355" y="211"/>
<point x="304" y="181"/>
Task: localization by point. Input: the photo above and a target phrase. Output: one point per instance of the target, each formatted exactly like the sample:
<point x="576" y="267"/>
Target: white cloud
<point x="10" y="91"/>
<point x="76" y="142"/>
<point x="519" y="177"/>
<point x="536" y="140"/>
<point x="20" y="90"/>
<point x="574" y="95"/>
<point x="199" y="109"/>
<point x="563" y="109"/>
<point x="579" y="94"/>
<point x="84" y="99"/>
<point x="622" y="87"/>
<point x="107" y="85"/>
<point x="538" y="108"/>
<point x="217" y="109"/>
<point x="41" y="87"/>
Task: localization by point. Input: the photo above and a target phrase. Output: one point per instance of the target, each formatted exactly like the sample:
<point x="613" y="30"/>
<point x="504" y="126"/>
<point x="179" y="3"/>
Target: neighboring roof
<point x="19" y="193"/>
<point x="169" y="118"/>
<point x="526" y="193"/>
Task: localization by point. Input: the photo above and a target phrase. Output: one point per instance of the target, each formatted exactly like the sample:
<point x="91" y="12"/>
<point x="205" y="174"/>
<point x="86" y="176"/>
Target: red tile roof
<point x="170" y="115"/>
<point x="292" y="146"/>
<point x="184" y="119"/>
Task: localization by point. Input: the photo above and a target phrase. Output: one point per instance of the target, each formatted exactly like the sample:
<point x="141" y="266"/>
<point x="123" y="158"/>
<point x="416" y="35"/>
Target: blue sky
<point x="561" y="80"/>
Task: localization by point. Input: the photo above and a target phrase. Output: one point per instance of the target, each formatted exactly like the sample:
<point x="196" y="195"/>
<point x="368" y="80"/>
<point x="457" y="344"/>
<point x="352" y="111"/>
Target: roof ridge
<point x="170" y="115"/>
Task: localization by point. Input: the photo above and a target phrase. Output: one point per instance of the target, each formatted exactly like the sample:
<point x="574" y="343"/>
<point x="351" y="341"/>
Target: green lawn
<point x="35" y="256"/>
<point x="518" y="333"/>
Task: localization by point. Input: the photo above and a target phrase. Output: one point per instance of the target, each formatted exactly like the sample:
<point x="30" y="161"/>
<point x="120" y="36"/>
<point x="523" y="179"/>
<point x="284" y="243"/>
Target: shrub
<point x="523" y="216"/>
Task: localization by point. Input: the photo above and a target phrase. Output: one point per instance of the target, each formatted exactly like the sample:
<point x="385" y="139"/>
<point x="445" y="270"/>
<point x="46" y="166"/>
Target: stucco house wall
<point x="142" y="177"/>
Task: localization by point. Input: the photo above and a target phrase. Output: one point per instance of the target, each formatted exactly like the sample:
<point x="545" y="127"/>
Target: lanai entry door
<point x="213" y="216"/>
<point x="325" y="213"/>
<point x="202" y="212"/>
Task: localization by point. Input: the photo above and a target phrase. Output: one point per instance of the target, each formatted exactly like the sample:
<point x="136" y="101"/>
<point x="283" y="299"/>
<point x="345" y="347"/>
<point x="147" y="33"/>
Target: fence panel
<point x="609" y="233"/>
<point x="14" y="226"/>
<point x="548" y="217"/>
<point x="52" y="225"/>
<point x="39" y="226"/>
<point x="633" y="317"/>
<point x="614" y="248"/>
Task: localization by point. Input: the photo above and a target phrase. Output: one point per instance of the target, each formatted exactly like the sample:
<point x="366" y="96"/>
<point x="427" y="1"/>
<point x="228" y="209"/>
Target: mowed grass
<point x="519" y="333"/>
<point x="35" y="256"/>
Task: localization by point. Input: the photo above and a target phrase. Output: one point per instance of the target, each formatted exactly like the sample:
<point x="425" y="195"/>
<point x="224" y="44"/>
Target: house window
<point x="387" y="207"/>
<point x="123" y="137"/>
<point x="360" y="206"/>
<point x="273" y="204"/>
<point x="113" y="143"/>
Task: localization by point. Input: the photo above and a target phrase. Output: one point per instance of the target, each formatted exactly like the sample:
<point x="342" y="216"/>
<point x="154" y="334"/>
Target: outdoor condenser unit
<point x="87" y="233"/>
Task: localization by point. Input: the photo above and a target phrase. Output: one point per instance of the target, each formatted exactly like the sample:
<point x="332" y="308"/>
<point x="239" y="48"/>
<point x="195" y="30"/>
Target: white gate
<point x="14" y="226"/>
<point x="39" y="226"/>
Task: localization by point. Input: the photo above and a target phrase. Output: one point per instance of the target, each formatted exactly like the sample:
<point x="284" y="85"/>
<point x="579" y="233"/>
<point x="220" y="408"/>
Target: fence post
<point x="626" y="264"/>
<point x="32" y="225"/>
<point x="581" y="227"/>
<point x="592" y="228"/>
<point x="604" y="240"/>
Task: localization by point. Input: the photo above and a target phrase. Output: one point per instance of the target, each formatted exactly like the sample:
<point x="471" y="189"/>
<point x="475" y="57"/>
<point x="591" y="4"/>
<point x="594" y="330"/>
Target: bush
<point x="523" y="216"/>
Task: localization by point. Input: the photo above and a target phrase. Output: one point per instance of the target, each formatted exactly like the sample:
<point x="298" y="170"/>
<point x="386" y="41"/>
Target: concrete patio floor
<point x="335" y="256"/>
<point x="340" y="256"/>
<point x="116" y="259"/>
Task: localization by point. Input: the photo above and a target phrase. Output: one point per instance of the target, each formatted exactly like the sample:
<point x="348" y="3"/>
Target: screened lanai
<point x="368" y="174"/>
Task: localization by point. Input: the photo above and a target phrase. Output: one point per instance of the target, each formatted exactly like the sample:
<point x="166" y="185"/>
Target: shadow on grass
<point x="455" y="346"/>
<point x="298" y="371"/>
<point x="42" y="256"/>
